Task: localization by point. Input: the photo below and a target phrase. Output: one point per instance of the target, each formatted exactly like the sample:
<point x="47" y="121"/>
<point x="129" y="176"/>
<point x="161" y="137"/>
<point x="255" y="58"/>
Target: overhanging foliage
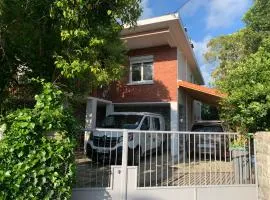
<point x="74" y="43"/>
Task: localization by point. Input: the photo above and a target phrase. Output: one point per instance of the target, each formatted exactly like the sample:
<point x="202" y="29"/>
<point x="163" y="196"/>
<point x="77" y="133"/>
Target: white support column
<point x="174" y="116"/>
<point x="90" y="118"/>
<point x="174" y="127"/>
<point x="124" y="165"/>
<point x="187" y="114"/>
<point x="109" y="109"/>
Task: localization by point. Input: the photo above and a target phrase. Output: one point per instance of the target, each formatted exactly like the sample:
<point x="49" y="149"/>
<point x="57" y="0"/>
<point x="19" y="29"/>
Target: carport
<point x="190" y="97"/>
<point x="201" y="93"/>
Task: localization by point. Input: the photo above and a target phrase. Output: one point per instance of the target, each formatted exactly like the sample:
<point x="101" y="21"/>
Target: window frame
<point x="140" y="60"/>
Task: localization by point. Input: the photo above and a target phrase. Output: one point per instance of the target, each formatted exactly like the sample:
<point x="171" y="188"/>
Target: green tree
<point x="243" y="71"/>
<point x="258" y="25"/>
<point x="71" y="45"/>
<point x="28" y="40"/>
<point x="257" y="18"/>
<point x="247" y="107"/>
<point x="37" y="149"/>
<point x="74" y="43"/>
<point x="225" y="50"/>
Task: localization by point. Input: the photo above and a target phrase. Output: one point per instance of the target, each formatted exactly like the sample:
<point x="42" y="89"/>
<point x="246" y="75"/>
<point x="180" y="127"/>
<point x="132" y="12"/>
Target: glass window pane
<point x="146" y="124"/>
<point x="136" y="72"/>
<point x="121" y="121"/>
<point x="147" y="71"/>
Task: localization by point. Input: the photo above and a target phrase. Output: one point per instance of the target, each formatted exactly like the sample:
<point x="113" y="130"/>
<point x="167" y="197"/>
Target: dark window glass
<point x="147" y="71"/>
<point x="142" y="71"/>
<point x="146" y="124"/>
<point x="136" y="72"/>
<point x="122" y="121"/>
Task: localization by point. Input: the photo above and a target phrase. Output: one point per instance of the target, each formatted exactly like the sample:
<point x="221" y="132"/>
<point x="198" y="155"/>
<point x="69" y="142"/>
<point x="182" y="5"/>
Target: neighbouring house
<point x="163" y="77"/>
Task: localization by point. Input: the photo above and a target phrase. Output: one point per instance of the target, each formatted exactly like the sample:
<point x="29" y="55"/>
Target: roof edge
<point x="153" y="20"/>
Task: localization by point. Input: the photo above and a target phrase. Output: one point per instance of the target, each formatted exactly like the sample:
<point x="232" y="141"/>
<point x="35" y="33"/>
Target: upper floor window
<point x="141" y="69"/>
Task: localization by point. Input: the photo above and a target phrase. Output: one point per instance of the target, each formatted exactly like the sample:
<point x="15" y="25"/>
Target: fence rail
<point x="167" y="158"/>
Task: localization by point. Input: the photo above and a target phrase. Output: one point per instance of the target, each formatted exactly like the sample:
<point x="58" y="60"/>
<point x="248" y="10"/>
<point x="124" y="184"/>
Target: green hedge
<point x="33" y="164"/>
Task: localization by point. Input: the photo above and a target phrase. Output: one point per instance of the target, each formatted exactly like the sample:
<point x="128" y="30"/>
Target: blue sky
<point x="204" y="20"/>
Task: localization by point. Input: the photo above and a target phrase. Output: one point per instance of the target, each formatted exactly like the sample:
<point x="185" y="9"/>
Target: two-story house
<point x="163" y="77"/>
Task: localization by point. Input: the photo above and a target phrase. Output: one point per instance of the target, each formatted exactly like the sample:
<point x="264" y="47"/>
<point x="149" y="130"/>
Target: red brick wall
<point x="164" y="87"/>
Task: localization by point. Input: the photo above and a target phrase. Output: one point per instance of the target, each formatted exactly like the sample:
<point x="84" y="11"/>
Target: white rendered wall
<point x="174" y="116"/>
<point x="90" y="118"/>
<point x="109" y="109"/>
<point x="91" y="112"/>
<point x="175" y="127"/>
<point x="182" y="62"/>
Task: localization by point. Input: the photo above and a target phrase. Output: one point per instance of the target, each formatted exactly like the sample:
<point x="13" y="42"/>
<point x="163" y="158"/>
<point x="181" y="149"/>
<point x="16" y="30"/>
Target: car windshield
<point x="121" y="121"/>
<point x="207" y="128"/>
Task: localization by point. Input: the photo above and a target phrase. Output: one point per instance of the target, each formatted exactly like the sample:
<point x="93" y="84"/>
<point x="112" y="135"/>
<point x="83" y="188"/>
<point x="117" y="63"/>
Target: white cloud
<point x="191" y="7"/>
<point x="219" y="13"/>
<point x="222" y="13"/>
<point x="200" y="47"/>
<point x="147" y="11"/>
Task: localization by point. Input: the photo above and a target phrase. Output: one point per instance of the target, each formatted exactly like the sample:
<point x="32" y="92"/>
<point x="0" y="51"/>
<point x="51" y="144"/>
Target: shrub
<point x="36" y="151"/>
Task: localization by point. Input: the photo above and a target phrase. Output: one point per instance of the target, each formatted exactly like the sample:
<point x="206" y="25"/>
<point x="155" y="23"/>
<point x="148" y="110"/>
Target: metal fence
<point x="167" y="158"/>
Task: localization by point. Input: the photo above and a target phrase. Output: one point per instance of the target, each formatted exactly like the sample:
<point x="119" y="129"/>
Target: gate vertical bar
<point x="124" y="165"/>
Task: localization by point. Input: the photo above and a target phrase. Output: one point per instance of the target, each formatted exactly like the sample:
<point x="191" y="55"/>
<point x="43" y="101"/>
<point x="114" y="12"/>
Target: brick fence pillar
<point x="262" y="140"/>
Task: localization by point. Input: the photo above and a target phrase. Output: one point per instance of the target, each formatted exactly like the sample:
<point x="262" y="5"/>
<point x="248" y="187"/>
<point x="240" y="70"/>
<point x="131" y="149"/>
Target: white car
<point x="107" y="145"/>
